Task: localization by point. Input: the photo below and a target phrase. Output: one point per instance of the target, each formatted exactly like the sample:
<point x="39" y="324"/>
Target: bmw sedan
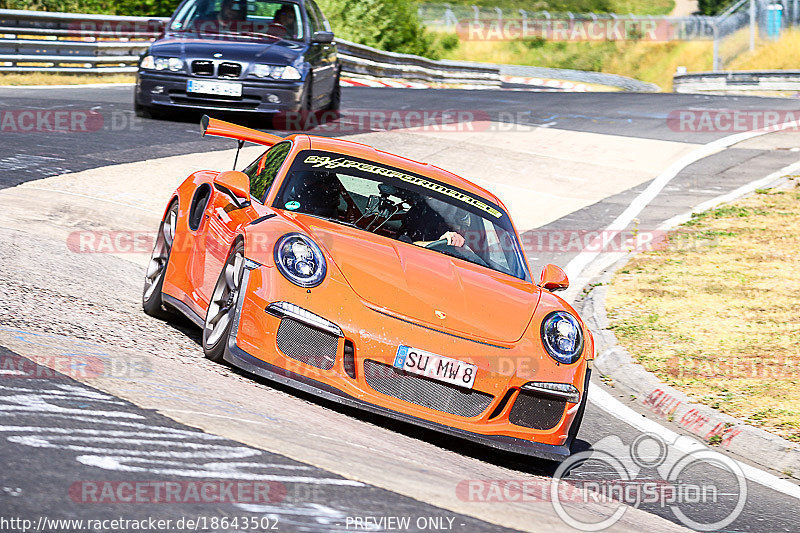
<point x="255" y="56"/>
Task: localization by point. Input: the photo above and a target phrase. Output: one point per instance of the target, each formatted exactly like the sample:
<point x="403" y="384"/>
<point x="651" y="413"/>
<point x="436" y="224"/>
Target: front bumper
<point x="253" y="347"/>
<point x="169" y="90"/>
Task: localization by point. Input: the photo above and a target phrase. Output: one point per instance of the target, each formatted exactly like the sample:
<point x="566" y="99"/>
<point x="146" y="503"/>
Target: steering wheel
<point x="436" y="244"/>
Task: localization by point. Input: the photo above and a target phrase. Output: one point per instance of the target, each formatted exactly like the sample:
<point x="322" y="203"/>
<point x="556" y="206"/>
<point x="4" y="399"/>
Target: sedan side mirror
<point x="553" y="278"/>
<point x="322" y="37"/>
<point x="236" y="185"/>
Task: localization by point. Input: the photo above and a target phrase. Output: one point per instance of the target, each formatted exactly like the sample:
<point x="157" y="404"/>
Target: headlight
<point x="148" y="62"/>
<point x="300" y="260"/>
<point x="562" y="337"/>
<point x="173" y="64"/>
<point x="276" y="72"/>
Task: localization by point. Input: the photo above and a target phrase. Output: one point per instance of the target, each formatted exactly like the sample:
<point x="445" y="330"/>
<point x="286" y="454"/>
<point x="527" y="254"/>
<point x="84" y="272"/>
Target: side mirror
<point x="236" y="185"/>
<point x="553" y="278"/>
<point x="322" y="37"/>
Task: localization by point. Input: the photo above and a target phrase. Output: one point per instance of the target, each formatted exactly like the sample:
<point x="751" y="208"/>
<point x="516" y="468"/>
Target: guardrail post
<point x="716" y="60"/>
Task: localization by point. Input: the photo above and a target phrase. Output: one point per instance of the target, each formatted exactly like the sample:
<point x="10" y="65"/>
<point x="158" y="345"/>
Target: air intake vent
<point x="306" y="344"/>
<point x="536" y="411"/>
<point x="203" y="68"/>
<point x="349" y="360"/>
<point x="425" y="392"/>
<point x="229" y="70"/>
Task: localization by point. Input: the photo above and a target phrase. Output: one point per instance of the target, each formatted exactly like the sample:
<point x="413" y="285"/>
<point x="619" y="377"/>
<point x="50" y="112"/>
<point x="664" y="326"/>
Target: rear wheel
<point x="222" y="308"/>
<point x="157" y="267"/>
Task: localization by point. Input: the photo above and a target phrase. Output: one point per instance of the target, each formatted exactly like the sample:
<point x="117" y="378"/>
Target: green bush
<point x="712" y="7"/>
<point x="386" y="24"/>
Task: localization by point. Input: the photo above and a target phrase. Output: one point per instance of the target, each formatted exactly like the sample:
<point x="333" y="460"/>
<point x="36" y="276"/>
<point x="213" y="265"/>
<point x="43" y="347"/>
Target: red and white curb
<point x="396" y="84"/>
<point x="536" y="84"/>
<point x="549" y="83"/>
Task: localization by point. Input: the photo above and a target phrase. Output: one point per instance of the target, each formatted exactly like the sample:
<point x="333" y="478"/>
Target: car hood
<point x="191" y="46"/>
<point x="413" y="283"/>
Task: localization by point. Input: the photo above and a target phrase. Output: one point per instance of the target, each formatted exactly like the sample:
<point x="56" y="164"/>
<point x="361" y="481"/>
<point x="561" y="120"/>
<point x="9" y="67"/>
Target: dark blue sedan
<point x="259" y="56"/>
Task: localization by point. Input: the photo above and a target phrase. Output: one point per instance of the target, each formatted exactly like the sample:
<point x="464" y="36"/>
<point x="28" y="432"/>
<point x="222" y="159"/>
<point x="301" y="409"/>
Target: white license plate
<point x="435" y="366"/>
<point x="214" y="87"/>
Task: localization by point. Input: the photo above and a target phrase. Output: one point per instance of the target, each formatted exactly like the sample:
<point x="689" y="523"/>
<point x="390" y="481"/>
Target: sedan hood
<point x="192" y="46"/>
<point x="429" y="287"/>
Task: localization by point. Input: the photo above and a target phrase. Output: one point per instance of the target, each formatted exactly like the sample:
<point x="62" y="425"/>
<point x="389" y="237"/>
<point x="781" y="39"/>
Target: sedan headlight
<point x="562" y="337"/>
<point x="300" y="260"/>
<point x="173" y="64"/>
<point x="148" y="62"/>
<point x="276" y="72"/>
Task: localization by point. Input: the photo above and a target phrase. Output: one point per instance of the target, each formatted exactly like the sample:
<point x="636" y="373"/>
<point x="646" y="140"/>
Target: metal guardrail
<point x="737" y="81"/>
<point x="68" y="42"/>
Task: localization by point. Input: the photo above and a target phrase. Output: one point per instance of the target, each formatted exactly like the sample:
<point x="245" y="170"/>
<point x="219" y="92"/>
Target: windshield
<point x="245" y="18"/>
<point x="402" y="206"/>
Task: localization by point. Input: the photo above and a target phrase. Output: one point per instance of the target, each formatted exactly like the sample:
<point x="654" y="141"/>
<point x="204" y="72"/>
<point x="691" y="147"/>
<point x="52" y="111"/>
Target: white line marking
<point x="5" y="372"/>
<point x="618" y="410"/>
<point x="729" y="197"/>
<point x="582" y="260"/>
<point x="72" y="86"/>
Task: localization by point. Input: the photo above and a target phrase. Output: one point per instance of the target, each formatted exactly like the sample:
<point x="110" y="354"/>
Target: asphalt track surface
<point x="38" y="476"/>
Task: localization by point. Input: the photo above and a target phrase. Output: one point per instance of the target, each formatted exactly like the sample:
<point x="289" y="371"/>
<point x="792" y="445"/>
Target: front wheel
<point x="222" y="308"/>
<point x="336" y="96"/>
<point x="157" y="267"/>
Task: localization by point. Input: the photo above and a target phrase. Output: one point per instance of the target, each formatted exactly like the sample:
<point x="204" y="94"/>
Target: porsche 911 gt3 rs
<point x="378" y="282"/>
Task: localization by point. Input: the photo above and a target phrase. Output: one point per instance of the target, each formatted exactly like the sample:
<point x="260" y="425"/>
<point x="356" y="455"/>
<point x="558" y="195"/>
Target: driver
<point x="284" y="22"/>
<point x="230" y="12"/>
<point x="430" y="220"/>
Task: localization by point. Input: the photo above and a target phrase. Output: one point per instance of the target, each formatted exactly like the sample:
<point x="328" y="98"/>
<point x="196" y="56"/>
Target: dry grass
<point x="717" y="314"/>
<point x="44" y="78"/>
<point x="780" y="54"/>
<point x="647" y="61"/>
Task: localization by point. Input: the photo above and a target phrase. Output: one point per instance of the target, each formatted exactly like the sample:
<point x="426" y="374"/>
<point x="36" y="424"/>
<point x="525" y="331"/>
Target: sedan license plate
<point x="435" y="366"/>
<point x="214" y="87"/>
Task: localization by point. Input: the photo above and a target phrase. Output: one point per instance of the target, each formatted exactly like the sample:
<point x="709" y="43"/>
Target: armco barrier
<point x="737" y="81"/>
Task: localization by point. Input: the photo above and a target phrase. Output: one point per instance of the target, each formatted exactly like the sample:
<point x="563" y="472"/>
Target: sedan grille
<point x="306" y="344"/>
<point x="203" y="68"/>
<point x="536" y="411"/>
<point x="425" y="392"/>
<point x="229" y="70"/>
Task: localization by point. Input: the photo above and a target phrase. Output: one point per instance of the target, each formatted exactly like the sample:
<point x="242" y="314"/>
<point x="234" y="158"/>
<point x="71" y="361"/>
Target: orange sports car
<point x="378" y="282"/>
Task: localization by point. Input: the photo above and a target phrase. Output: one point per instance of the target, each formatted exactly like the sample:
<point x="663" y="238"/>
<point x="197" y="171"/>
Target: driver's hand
<point x="453" y="238"/>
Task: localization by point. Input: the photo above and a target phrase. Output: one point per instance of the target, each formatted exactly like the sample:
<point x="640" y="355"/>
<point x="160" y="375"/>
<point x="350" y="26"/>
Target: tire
<point x="222" y="307"/>
<point x="336" y="96"/>
<point x="142" y="111"/>
<point x="152" y="303"/>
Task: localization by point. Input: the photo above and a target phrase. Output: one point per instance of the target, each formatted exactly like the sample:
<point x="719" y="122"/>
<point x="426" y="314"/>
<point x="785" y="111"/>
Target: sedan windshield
<point x="270" y="19"/>
<point x="403" y="206"/>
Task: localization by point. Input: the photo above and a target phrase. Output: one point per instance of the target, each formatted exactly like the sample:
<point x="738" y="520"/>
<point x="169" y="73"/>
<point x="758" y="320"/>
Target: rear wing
<point x="220" y="128"/>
